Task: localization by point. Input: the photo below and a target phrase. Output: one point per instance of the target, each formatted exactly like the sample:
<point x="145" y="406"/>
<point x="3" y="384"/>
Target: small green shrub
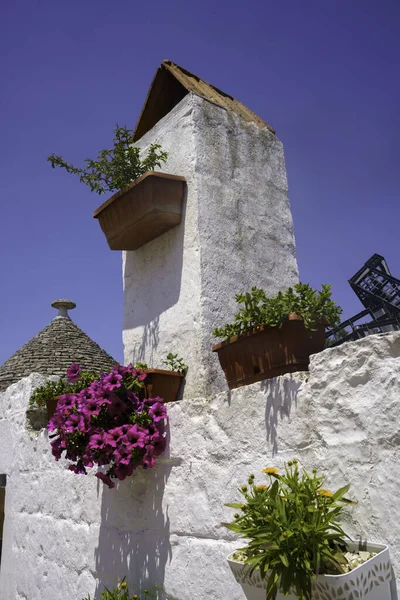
<point x="292" y="525"/>
<point x="174" y="363"/>
<point x="116" y="168"/>
<point x="121" y="592"/>
<point x="141" y="365"/>
<point x="311" y="305"/>
<point x="51" y="389"/>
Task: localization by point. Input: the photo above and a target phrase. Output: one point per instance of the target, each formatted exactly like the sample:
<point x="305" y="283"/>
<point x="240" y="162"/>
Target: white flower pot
<point x="369" y="581"/>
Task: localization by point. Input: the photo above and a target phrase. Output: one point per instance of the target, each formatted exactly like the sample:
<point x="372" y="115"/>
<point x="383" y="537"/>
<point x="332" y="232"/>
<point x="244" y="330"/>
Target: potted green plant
<point x="165" y="383"/>
<point x="108" y="425"/>
<point x="146" y="204"/>
<point x="121" y="592"/>
<point x="48" y="394"/>
<point x="274" y="336"/>
<point x="296" y="546"/>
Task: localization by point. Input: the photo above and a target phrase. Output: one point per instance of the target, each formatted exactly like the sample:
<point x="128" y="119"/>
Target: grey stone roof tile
<point x="52" y="351"/>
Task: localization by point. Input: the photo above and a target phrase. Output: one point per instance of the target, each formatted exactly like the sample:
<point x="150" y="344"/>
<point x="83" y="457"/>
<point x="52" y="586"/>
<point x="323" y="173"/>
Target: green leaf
<point x="284" y="559"/>
<point x="340" y="492"/>
<point x="115" y="168"/>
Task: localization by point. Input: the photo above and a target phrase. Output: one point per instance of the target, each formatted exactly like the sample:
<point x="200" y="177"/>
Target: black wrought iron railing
<point x="379" y="292"/>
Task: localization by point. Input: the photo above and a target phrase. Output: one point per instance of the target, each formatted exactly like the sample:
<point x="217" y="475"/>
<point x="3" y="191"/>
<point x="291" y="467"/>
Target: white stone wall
<point x="237" y="231"/>
<point x="65" y="533"/>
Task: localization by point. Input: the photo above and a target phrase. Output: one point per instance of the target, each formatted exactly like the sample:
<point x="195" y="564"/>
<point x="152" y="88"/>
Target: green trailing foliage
<point x="311" y="305"/>
<point x="293" y="529"/>
<point x="116" y="168"/>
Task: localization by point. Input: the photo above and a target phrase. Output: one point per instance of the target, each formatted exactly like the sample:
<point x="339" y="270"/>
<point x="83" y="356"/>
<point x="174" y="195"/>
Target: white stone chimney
<point x="236" y="230"/>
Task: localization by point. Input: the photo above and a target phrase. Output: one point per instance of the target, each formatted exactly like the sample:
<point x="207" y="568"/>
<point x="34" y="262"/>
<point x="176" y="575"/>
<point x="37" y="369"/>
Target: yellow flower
<point x="270" y="470"/>
<point x="325" y="493"/>
<point x="135" y="597"/>
<point x="261" y="488"/>
<point x="122" y="585"/>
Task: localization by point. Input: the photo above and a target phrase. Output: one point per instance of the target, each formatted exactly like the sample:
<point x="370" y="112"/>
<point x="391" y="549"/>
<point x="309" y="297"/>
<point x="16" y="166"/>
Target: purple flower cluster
<point x="73" y="373"/>
<point x="109" y="424"/>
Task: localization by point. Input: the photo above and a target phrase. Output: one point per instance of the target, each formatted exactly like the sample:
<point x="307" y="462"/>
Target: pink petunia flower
<point x="73" y="373"/>
<point x="105" y="479"/>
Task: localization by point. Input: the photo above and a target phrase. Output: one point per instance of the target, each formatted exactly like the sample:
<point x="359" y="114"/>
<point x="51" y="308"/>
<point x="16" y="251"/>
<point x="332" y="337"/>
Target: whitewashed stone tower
<point x="236" y="231"/>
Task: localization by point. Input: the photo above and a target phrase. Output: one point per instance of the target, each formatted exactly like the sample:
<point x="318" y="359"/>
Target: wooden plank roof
<point x="171" y="83"/>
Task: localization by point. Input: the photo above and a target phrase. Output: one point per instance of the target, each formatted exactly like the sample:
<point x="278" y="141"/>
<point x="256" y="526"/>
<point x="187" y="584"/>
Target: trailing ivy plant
<point x="311" y="305"/>
<point x="116" y="168"/>
<point x="292" y="527"/>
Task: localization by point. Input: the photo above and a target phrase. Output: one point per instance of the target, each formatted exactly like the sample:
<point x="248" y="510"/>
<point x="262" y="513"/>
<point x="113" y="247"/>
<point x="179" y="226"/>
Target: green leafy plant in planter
<point x="141" y="365"/>
<point x="121" y="592"/>
<point x="165" y="382"/>
<point x="293" y="529"/>
<point x="302" y="300"/>
<point x="174" y="363"/>
<point x="116" y="168"/>
<point x="70" y="384"/>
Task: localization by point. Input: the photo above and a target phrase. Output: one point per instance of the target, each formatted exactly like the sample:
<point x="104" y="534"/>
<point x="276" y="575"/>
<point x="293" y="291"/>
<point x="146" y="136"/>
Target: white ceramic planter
<point x="369" y="581"/>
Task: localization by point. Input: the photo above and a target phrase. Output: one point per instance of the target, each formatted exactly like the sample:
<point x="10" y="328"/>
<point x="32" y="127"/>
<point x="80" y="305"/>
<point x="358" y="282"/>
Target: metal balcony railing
<point x="379" y="292"/>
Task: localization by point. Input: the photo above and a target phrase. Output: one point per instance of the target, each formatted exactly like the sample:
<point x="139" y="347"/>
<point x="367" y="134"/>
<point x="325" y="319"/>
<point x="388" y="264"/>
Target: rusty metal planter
<point x="143" y="211"/>
<point x="267" y="352"/>
<point x="163" y="383"/>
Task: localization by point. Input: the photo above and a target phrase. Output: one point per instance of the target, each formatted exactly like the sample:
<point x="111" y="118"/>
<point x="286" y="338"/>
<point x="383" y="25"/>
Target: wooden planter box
<point x="369" y="581"/>
<point x="146" y="209"/>
<point x="51" y="406"/>
<point x="268" y="352"/>
<point x="163" y="383"/>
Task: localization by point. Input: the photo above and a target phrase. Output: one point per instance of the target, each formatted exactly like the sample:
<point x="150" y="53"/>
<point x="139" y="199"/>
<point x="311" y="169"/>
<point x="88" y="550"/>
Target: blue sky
<point x="325" y="75"/>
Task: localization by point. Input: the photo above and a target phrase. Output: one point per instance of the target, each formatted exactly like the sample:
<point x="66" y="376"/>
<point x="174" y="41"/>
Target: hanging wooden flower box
<point x="143" y="211"/>
<point x="51" y="406"/>
<point x="163" y="383"/>
<point x="267" y="352"/>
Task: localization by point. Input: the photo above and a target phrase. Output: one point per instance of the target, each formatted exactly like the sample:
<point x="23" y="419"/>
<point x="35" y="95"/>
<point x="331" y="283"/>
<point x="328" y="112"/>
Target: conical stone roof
<point x="53" y="349"/>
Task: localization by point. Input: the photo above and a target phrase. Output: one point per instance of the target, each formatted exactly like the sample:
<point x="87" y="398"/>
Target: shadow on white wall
<point x="281" y="394"/>
<point x="161" y="260"/>
<point x="134" y="531"/>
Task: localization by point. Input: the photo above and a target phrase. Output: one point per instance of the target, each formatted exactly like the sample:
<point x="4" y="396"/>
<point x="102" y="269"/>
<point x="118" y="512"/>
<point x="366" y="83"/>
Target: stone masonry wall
<point x="64" y="534"/>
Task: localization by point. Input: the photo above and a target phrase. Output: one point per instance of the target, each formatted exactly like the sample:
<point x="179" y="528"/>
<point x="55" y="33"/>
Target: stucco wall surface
<point x="236" y="232"/>
<point x="162" y="278"/>
<point x="64" y="533"/>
